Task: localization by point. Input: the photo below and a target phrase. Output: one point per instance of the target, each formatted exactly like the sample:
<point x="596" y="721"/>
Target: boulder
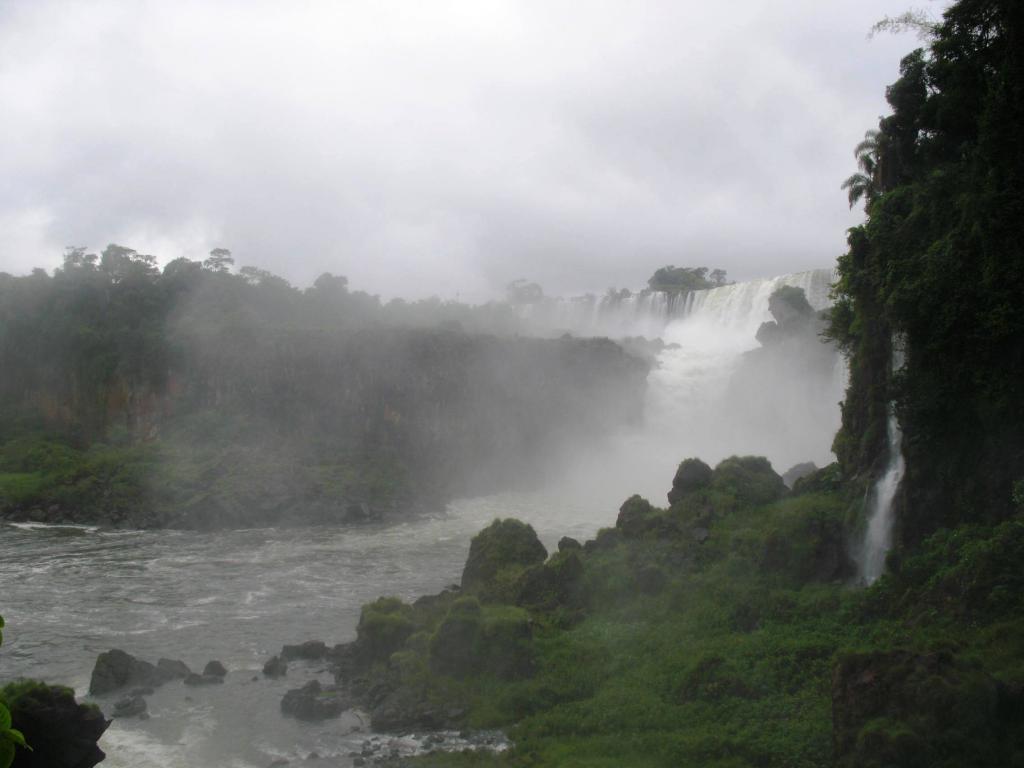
<point x="692" y="475"/>
<point x="196" y="680"/>
<point x="384" y="626"/>
<point x="750" y="479"/>
<point x="214" y="669"/>
<point x="275" y="667"/>
<point x="311" y="650"/>
<point x="501" y="545"/>
<point x="567" y="543"/>
<point x="61" y="732"/>
<point x="116" y="669"/>
<point x="554" y="584"/>
<point x="634" y="516"/>
<point x="131" y="706"/>
<point x="315" y="702"/>
<point x="171" y="669"/>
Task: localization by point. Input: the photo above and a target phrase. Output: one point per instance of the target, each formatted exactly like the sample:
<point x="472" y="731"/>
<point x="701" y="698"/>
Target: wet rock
<point x="750" y="479"/>
<point x="311" y="650"/>
<point x="196" y="680"/>
<point x="474" y="639"/>
<point x="502" y="544"/>
<point x="384" y="626"/>
<point x="275" y="667"/>
<point x="315" y="702"/>
<point x="692" y="475"/>
<point x="214" y="669"/>
<point x="130" y="706"/>
<point x="172" y="669"/>
<point x="62" y="732"/>
<point x="634" y="515"/>
<point x="700" y="535"/>
<point x="554" y="584"/>
<point x="606" y="539"/>
<point x="116" y="669"/>
<point x="567" y="543"/>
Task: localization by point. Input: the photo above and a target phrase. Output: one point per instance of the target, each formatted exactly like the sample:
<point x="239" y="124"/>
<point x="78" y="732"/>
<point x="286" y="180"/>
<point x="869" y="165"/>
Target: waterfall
<point x="881" y="498"/>
<point x="696" y="404"/>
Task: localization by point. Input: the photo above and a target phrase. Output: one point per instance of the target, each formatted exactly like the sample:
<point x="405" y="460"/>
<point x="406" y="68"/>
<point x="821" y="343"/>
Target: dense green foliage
<point x="10" y="738"/>
<point x="674" y="279"/>
<point x="939" y="266"/>
<point x="197" y="397"/>
<point x="749" y="647"/>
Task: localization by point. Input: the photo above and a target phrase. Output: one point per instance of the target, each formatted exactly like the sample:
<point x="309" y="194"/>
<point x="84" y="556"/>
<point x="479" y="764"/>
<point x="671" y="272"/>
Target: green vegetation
<point x="674" y="279"/>
<point x="939" y="267"/>
<point x="10" y="738"/>
<point x="196" y="397"/>
<point x="749" y="648"/>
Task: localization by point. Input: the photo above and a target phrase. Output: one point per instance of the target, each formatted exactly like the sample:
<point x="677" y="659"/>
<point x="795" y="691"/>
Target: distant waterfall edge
<point x="713" y="391"/>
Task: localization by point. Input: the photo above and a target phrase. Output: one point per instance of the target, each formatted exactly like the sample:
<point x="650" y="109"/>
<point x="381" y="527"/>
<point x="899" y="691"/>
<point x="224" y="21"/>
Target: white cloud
<point x="439" y="147"/>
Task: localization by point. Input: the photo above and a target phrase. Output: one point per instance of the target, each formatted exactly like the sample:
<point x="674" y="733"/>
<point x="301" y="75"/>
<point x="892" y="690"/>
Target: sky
<point x="440" y="148"/>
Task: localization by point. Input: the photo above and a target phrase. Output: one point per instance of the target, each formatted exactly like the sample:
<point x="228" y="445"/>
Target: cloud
<point x="444" y="147"/>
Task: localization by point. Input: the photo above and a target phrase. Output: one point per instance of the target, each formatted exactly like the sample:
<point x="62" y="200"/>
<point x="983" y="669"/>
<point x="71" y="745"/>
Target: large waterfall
<point x="703" y="397"/>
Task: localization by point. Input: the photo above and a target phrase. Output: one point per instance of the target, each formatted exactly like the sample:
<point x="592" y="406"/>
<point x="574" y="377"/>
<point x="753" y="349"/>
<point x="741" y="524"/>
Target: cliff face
<point x="939" y="265"/>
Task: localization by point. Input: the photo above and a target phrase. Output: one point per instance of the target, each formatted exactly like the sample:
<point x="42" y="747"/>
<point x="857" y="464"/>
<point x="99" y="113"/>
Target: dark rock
<point x="130" y="706"/>
<point x="750" y="479"/>
<point x="700" y="535"/>
<point x="116" y="669"/>
<point x="275" y="667"/>
<point x="61" y="732"/>
<point x="171" y="669"/>
<point x="315" y="702"/>
<point x="692" y="475"/>
<point x="214" y="669"/>
<point x="311" y="650"/>
<point x="634" y="515"/>
<point x="502" y="544"/>
<point x="554" y="584"/>
<point x="812" y="547"/>
<point x="606" y="539"/>
<point x="196" y="680"/>
<point x="567" y="543"/>
<point x="798" y="472"/>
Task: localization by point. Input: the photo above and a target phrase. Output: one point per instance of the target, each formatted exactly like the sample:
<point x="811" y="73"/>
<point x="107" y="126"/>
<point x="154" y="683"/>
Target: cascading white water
<point x="881" y="498"/>
<point x="878" y="538"/>
<point x="695" y="404"/>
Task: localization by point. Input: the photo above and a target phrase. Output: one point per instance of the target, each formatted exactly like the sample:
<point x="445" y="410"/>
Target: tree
<point x="523" y="292"/>
<point x="220" y="260"/>
<point x="862" y="185"/>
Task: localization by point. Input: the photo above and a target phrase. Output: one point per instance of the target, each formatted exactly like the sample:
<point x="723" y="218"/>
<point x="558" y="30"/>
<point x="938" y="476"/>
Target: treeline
<point x="196" y="396"/>
<point x="934" y="278"/>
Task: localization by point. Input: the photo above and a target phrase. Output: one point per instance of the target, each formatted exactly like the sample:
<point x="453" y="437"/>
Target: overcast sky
<point x="440" y="147"/>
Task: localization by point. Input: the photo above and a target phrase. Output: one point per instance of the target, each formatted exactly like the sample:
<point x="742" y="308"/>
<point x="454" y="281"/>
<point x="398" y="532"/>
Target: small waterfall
<point x="881" y="513"/>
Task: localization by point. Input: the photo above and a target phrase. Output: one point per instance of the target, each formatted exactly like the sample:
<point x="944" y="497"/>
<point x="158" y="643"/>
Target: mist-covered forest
<point x="196" y="397"/>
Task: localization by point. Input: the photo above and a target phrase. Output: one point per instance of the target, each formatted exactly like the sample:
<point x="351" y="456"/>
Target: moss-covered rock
<point x="750" y="479"/>
<point x="554" y="584"/>
<point x="634" y="515"/>
<point x="504" y="544"/>
<point x="384" y="626"/>
<point x="692" y="475"/>
<point x="474" y="639"/>
<point x="61" y="732"/>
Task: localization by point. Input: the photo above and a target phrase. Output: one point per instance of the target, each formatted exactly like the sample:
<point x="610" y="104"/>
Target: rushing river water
<point x="237" y="596"/>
